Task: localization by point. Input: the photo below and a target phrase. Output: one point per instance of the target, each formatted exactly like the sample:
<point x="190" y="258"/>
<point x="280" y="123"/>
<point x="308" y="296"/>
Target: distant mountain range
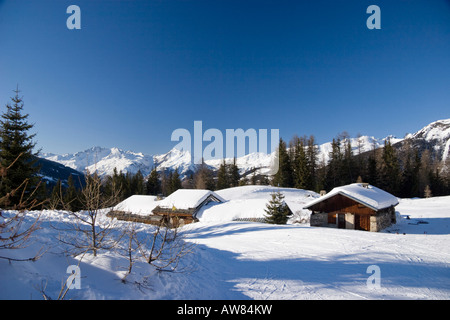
<point x="104" y="160"/>
<point x="434" y="137"/>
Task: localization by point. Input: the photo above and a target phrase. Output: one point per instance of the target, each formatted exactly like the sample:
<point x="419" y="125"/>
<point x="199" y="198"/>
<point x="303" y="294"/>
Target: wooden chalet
<point x="137" y="208"/>
<point x="182" y="206"/>
<point x="358" y="206"/>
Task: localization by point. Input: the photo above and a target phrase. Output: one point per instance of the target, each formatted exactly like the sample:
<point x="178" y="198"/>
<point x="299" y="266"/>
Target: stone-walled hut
<point x="358" y="206"/>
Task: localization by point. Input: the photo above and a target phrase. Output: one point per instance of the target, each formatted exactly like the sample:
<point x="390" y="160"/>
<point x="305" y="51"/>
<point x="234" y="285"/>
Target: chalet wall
<point x="171" y="221"/>
<point x="377" y="222"/>
<point x="341" y="204"/>
<point x="349" y="221"/>
<point x="319" y="219"/>
<point x="384" y="219"/>
<point x="127" y="216"/>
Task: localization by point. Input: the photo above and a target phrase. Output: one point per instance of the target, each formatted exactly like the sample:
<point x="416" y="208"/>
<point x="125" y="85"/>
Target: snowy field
<point x="248" y="260"/>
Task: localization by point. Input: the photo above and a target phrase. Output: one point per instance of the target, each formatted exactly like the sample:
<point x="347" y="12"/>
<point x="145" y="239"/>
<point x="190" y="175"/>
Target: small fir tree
<point x="277" y="210"/>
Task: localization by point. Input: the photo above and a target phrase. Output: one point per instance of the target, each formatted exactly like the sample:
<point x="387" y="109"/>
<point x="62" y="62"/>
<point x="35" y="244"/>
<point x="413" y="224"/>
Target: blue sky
<point x="138" y="70"/>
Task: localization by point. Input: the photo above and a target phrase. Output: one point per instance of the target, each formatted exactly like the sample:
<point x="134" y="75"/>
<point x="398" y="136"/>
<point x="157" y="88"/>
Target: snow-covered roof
<point x="138" y="204"/>
<point x="365" y="194"/>
<point x="187" y="199"/>
<point x="250" y="202"/>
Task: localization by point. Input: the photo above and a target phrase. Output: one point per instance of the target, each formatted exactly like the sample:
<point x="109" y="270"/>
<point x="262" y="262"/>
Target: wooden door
<point x="362" y="222"/>
<point x="341" y="221"/>
<point x="332" y="218"/>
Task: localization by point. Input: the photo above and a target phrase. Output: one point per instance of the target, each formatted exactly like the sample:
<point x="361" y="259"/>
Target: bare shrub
<point x="12" y="234"/>
<point x="85" y="232"/>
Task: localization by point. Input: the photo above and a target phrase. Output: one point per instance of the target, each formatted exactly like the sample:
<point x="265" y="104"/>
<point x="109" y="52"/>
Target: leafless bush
<point x="65" y="287"/>
<point x="164" y="249"/>
<point x="88" y="234"/>
<point x="130" y="247"/>
<point x="12" y="235"/>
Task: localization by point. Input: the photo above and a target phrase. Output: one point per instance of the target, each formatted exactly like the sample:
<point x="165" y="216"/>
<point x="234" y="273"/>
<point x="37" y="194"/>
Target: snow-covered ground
<point x="248" y="260"/>
<point x="249" y="202"/>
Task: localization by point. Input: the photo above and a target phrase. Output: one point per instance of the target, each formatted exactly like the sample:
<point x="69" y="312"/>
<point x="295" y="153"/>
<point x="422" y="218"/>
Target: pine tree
<point x="300" y="164"/>
<point x="277" y="210"/>
<point x="16" y="150"/>
<point x="233" y="174"/>
<point x="56" y="197"/>
<point x="254" y="177"/>
<point x="334" y="169"/>
<point x="222" y="177"/>
<point x="137" y="183"/>
<point x="390" y="172"/>
<point x="165" y="183"/>
<point x="372" y="173"/>
<point x="311" y="153"/>
<point x="71" y="195"/>
<point x="175" y="182"/>
<point x="284" y="175"/>
<point x="113" y="181"/>
<point x="437" y="184"/>
<point x="348" y="162"/>
<point x="415" y="189"/>
<point x="243" y="181"/>
<point x="407" y="178"/>
<point x="203" y="177"/>
<point x="153" y="183"/>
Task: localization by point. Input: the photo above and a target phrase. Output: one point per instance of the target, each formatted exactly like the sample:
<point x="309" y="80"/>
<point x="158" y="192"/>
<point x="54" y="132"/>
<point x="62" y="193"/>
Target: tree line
<point x="404" y="171"/>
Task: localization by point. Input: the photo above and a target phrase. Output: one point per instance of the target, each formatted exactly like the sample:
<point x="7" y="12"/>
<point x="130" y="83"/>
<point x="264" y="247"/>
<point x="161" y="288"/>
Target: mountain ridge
<point x="434" y="136"/>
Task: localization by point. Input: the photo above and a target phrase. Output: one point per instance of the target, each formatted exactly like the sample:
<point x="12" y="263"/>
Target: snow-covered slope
<point x="249" y="202"/>
<point x="247" y="260"/>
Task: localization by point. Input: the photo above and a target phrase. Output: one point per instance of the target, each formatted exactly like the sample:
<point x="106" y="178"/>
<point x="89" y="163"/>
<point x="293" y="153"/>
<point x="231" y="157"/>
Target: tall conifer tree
<point x="284" y="176"/>
<point x="16" y="150"/>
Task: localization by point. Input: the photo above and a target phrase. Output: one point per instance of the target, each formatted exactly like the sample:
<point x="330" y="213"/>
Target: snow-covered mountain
<point x="175" y="159"/>
<point x="246" y="164"/>
<point x="359" y="145"/>
<point x="436" y="136"/>
<point x="104" y="160"/>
